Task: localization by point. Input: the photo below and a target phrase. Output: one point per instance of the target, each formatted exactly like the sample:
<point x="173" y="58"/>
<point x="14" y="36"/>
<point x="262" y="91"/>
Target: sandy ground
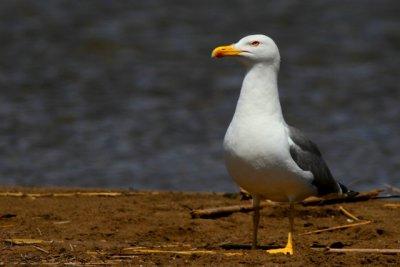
<point x="155" y="228"/>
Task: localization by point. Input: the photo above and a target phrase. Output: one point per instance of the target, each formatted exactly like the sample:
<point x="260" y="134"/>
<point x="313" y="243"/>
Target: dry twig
<point x="363" y="196"/>
<point x="61" y="222"/>
<point x="87" y="194"/>
<point x="213" y="213"/>
<point x="140" y="250"/>
<point x="41" y="249"/>
<point x="6" y="225"/>
<point x="24" y="241"/>
<point x="361" y="250"/>
<point x="40" y="232"/>
<point x="348" y="214"/>
<point x="336" y="228"/>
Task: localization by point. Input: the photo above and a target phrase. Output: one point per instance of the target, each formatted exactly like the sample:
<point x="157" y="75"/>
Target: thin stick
<point x="6" y="225"/>
<point x="363" y="196"/>
<point x="79" y="263"/>
<point x="41" y="249"/>
<point x="61" y="222"/>
<point x="348" y="214"/>
<point x="134" y="250"/>
<point x="213" y="213"/>
<point x="73" y="194"/>
<point x="336" y="228"/>
<point x="86" y="194"/>
<point x="361" y="250"/>
<point x="40" y="232"/>
<point x="25" y="241"/>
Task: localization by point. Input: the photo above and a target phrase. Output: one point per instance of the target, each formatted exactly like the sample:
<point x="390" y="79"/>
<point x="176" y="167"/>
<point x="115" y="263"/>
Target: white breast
<point x="257" y="156"/>
<point x="258" y="140"/>
<point x="256" y="144"/>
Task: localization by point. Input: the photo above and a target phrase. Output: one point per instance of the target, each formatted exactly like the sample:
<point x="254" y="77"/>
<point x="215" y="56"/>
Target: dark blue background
<point x="124" y="93"/>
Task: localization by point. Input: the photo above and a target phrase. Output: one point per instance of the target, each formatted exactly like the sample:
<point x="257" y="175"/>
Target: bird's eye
<point x="255" y="43"/>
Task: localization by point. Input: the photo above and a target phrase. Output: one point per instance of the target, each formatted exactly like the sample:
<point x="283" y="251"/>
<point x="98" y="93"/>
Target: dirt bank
<point x="156" y="228"/>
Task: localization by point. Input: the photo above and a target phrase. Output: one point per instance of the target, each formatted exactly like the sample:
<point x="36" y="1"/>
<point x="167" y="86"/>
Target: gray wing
<point x="308" y="157"/>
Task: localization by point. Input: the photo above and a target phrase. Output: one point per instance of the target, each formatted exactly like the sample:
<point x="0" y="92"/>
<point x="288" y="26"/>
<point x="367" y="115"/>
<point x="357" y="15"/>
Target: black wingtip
<point x="347" y="192"/>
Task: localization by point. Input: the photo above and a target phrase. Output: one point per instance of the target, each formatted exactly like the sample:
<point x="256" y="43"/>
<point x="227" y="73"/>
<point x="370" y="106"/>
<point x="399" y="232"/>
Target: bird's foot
<point x="288" y="250"/>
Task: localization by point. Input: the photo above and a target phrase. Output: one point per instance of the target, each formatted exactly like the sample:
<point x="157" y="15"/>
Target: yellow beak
<point x="226" y="50"/>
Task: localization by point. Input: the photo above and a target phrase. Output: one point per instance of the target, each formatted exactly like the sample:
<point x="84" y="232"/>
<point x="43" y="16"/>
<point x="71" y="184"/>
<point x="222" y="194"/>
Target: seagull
<point x="264" y="155"/>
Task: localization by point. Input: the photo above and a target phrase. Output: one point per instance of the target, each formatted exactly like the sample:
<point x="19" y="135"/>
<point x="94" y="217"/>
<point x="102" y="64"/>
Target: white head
<point x="252" y="49"/>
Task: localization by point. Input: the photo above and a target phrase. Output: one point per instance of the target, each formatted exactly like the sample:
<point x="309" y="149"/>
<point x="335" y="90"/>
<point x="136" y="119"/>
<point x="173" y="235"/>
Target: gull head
<point x="251" y="49"/>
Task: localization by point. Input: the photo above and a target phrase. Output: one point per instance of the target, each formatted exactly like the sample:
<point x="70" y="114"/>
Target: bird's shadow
<point x="233" y="246"/>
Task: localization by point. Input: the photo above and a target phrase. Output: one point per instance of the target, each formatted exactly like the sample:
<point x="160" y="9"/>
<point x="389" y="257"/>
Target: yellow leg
<point x="288" y="249"/>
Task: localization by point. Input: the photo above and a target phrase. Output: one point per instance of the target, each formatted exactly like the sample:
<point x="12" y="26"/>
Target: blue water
<point x="124" y="93"/>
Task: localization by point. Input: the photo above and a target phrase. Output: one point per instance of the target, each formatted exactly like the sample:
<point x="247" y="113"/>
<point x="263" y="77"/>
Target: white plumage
<point x="256" y="144"/>
<point x="264" y="155"/>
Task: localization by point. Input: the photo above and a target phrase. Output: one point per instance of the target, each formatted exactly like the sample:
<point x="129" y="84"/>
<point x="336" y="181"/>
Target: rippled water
<point x="124" y="93"/>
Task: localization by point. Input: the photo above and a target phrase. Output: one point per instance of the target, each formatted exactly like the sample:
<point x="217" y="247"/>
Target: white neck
<point x="259" y="94"/>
